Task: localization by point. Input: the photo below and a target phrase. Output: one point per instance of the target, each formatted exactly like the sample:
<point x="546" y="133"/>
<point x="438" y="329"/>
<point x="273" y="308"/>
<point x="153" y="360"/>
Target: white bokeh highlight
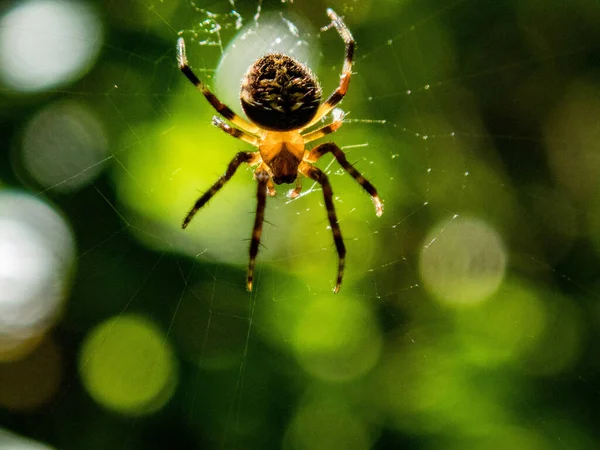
<point x="462" y="261"/>
<point x="64" y="146"/>
<point x="36" y="260"/>
<point x="46" y="43"/>
<point x="11" y="441"/>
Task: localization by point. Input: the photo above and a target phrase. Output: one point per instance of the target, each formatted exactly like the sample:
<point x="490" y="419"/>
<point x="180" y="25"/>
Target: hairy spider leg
<point x="241" y="157"/>
<point x="330" y="147"/>
<point x="324" y="131"/>
<point x="319" y="176"/>
<point x="235" y="132"/>
<point x="340" y="92"/>
<point x="262" y="177"/>
<point x="221" y="108"/>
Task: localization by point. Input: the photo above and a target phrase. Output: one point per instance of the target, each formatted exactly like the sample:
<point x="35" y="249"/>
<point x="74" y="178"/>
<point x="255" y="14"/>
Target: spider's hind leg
<point x="262" y="178"/>
<point x="241" y="157"/>
<point x="319" y="176"/>
<point x="331" y="147"/>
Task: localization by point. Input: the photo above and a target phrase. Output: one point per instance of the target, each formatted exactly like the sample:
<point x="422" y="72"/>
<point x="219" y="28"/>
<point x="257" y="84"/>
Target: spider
<point x="282" y="98"/>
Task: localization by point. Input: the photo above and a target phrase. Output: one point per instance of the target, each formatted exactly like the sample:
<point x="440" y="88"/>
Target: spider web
<point x="462" y="114"/>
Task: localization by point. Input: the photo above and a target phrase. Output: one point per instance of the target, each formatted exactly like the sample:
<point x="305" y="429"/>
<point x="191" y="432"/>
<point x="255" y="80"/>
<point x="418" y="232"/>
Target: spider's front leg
<point x="342" y="89"/>
<point x="330" y="147"/>
<point x="221" y="107"/>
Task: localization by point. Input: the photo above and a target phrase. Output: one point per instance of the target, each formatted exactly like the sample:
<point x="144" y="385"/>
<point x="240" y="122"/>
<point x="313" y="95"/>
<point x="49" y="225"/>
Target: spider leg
<point x="271" y="188"/>
<point x="221" y="108"/>
<point x="235" y="132"/>
<point x="338" y="120"/>
<point x="327" y="147"/>
<point x="319" y="176"/>
<point x="261" y="201"/>
<point x="293" y="193"/>
<point x="241" y="157"/>
<point x="341" y="90"/>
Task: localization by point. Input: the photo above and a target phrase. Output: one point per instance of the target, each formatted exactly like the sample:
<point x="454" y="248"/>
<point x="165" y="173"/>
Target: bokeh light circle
<point x="64" y="146"/>
<point x="325" y="424"/>
<point x="10" y="441"/>
<point x="463" y="261"/>
<point x="507" y="328"/>
<point x="337" y="340"/>
<point x="128" y="366"/>
<point x="45" y="43"/>
<point x="33" y="380"/>
<point x="36" y="259"/>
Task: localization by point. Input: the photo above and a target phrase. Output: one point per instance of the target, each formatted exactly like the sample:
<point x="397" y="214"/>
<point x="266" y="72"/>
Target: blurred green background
<point x="469" y="313"/>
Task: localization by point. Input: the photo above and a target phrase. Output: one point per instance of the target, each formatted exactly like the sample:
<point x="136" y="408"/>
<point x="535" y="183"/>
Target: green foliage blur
<point x="469" y="313"/>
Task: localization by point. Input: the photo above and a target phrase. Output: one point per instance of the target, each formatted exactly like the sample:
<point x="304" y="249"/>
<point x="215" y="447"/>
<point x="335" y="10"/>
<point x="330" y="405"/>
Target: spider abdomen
<point x="279" y="93"/>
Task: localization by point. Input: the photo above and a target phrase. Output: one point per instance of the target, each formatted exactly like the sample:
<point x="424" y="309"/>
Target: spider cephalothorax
<point x="282" y="98"/>
<point x="279" y="93"/>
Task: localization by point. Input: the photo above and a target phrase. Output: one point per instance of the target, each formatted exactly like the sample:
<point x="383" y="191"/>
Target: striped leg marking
<point x="221" y="108"/>
<point x="320" y="177"/>
<point x="235" y="132"/>
<point x="341" y="90"/>
<point x="324" y="131"/>
<point x="261" y="201"/>
<point x="330" y="147"/>
<point x="241" y="157"/>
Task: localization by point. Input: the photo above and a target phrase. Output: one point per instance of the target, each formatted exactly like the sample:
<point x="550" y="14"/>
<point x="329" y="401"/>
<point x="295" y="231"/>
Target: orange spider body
<point x="282" y="152"/>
